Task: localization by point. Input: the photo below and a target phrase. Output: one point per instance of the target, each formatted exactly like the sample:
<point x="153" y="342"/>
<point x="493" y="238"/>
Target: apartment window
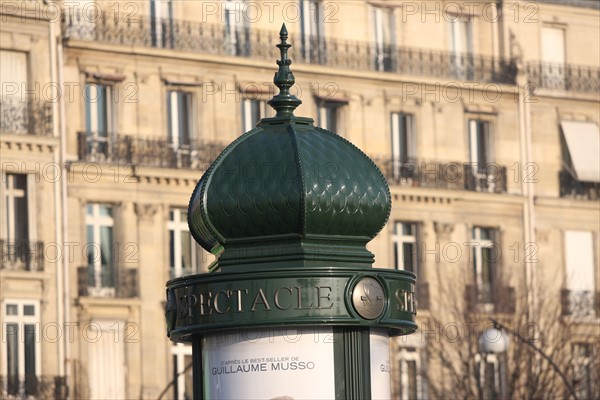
<point x="179" y="113"/>
<point x="579" y="260"/>
<point x="182" y="371"/>
<point x="252" y="112"/>
<point x="312" y="31"/>
<point x="182" y="250"/>
<point x="553" y="57"/>
<point x="484" y="256"/>
<point x="480" y="143"/>
<point x="582" y="368"/>
<point x="236" y="34"/>
<point x="410" y="379"/>
<point x="405" y="246"/>
<point x="461" y="45"/>
<point x="161" y="23"/>
<point x="14" y="113"/>
<point x="403" y="145"/>
<point x="15" y="200"/>
<point x="99" y="118"/>
<point x="488" y="376"/>
<point x="21" y="363"/>
<point x="330" y="115"/>
<point x="384" y="32"/>
<point x="100" y="258"/>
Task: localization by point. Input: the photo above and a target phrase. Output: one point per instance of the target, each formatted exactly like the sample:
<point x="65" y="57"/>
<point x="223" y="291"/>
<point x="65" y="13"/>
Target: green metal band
<point x="206" y="303"/>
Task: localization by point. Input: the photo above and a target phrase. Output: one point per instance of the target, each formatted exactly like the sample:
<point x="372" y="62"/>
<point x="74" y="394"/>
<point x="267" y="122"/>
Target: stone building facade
<point x="483" y="116"/>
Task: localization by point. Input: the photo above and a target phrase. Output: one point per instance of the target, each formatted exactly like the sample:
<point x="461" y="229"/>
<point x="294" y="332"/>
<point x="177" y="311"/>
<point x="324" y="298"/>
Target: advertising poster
<point x="380" y="365"/>
<point x="279" y="364"/>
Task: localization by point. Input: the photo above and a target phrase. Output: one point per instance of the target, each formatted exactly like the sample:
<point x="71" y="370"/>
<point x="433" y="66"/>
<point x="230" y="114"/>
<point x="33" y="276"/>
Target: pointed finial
<point x="284" y="102"/>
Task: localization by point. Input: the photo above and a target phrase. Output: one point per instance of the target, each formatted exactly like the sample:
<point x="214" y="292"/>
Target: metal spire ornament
<point x="284" y="102"/>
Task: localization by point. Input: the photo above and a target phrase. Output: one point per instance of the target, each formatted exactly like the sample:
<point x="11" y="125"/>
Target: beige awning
<point x="583" y="142"/>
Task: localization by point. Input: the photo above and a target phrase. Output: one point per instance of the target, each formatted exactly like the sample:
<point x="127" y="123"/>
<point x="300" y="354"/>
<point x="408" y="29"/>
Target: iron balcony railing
<point x="576" y="78"/>
<point x="580" y="303"/>
<point x="495" y="298"/>
<point x="110" y="282"/>
<point x="147" y="151"/>
<point x="489" y="177"/>
<point x="26" y="118"/>
<point x="16" y="387"/>
<point x="256" y="43"/>
<point x="571" y="187"/>
<point x="21" y="255"/>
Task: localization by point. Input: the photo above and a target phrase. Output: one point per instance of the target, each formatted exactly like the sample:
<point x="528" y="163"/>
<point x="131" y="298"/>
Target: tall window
<point x="182" y="252"/>
<point x="100" y="258"/>
<point x="161" y="23"/>
<point x="17" y="216"/>
<point x="410" y="379"/>
<point x="404" y="145"/>
<point x="20" y="346"/>
<point x="582" y="368"/>
<point x="182" y="371"/>
<point x="311" y="30"/>
<point x="484" y="258"/>
<point x="405" y="246"/>
<point x="179" y="113"/>
<point x="385" y="32"/>
<point x="480" y="144"/>
<point x="329" y="115"/>
<point x="236" y="33"/>
<point x="98" y="119"/>
<point x="461" y="45"/>
<point x="579" y="260"/>
<point x="488" y="376"/>
<point x="553" y="57"/>
<point x="17" y="238"/>
<point x="252" y="112"/>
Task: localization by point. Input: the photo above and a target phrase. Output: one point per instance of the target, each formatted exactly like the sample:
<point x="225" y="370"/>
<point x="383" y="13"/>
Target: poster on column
<point x="269" y="364"/>
<point x="380" y="365"/>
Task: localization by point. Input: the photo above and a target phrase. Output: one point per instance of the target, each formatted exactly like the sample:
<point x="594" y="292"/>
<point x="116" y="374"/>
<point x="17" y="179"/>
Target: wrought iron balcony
<point x="147" y="151"/>
<point x="576" y="78"/>
<point x="32" y="387"/>
<point x="571" y="187"/>
<point x="580" y="303"/>
<point x="26" y="118"/>
<point x="497" y="298"/>
<point x="110" y="282"/>
<point x="255" y="43"/>
<point x="489" y="177"/>
<point x="21" y="255"/>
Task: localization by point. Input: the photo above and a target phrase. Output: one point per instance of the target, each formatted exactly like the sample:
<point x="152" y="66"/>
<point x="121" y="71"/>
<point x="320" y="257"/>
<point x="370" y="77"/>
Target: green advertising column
<point x="292" y="308"/>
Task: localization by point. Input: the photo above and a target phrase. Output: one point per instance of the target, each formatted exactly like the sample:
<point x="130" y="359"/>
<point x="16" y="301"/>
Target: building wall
<point x="529" y="216"/>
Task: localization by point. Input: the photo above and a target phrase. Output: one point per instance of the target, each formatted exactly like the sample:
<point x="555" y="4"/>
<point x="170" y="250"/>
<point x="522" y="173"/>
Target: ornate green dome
<point x="289" y="193"/>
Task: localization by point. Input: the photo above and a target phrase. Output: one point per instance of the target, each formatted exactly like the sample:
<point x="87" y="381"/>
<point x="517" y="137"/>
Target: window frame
<point x="97" y="221"/>
<point x="383" y="48"/>
<point x="337" y="108"/>
<point x="21" y="320"/>
<point x="398" y="241"/>
<point x="482" y="361"/>
<point x="179" y="352"/>
<point x="478" y="244"/>
<point x="249" y="121"/>
<point x="404" y="356"/>
<point x="177" y="226"/>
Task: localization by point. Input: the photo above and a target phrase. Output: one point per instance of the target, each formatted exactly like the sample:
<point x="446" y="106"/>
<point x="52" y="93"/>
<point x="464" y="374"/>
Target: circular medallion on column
<point x="368" y="298"/>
